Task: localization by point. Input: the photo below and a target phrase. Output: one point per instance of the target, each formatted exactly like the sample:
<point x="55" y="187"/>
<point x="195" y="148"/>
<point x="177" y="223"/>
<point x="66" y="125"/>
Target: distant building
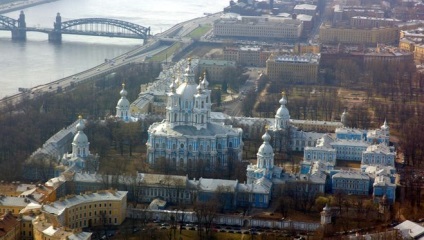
<point x="372" y="36"/>
<point x="106" y="207"/>
<point x="307" y="9"/>
<point x="351" y="182"/>
<point x="215" y="68"/>
<point x="258" y="27"/>
<point x="10" y="227"/>
<point x="293" y="69"/>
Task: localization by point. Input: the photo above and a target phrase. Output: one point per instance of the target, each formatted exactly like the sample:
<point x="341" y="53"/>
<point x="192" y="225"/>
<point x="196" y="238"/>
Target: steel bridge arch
<point x="8" y="22"/>
<point x="139" y="30"/>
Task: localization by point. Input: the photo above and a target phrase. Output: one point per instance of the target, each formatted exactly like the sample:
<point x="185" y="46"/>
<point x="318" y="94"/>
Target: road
<point x="234" y="108"/>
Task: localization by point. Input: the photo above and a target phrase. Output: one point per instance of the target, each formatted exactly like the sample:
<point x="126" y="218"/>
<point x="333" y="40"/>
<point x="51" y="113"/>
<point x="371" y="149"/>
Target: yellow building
<point x="293" y="69"/>
<point x="300" y="48"/>
<point x="10" y="228"/>
<point x="331" y="35"/>
<point x="12" y="204"/>
<point x="215" y="68"/>
<point x="91" y="209"/>
<point x="419" y="53"/>
<point x="407" y="45"/>
<point x="45" y="229"/>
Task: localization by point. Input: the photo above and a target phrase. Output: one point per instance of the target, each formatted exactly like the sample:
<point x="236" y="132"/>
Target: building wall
<point x="289" y="30"/>
<point x="350" y="185"/>
<point x="291" y="71"/>
<point x="329" y="35"/>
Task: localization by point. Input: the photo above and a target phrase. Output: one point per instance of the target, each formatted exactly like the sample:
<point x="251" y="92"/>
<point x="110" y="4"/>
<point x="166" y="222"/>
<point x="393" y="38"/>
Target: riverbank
<point x="19" y="5"/>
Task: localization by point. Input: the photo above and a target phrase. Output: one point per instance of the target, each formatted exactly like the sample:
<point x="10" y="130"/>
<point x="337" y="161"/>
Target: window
<point x="182" y="145"/>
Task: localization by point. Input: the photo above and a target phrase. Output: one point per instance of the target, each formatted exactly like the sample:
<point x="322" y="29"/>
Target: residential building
<point x="351" y="182"/>
<point x="45" y="228"/>
<point x="215" y="68"/>
<point x="293" y="69"/>
<point x="12" y="204"/>
<point x="10" y="227"/>
<point x="104" y="207"/>
<point x="258" y="27"/>
<point x="378" y="155"/>
<point x="372" y="22"/>
<point x="372" y="36"/>
<point x="307" y="9"/>
<point x="350" y="150"/>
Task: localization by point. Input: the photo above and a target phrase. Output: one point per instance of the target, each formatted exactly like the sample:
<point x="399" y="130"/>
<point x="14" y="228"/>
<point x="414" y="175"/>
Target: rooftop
<point x="61" y="205"/>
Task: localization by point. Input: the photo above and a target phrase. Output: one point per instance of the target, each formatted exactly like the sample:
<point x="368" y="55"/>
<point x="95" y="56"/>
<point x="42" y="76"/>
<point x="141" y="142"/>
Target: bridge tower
<point x="56" y="34"/>
<point x="19" y="33"/>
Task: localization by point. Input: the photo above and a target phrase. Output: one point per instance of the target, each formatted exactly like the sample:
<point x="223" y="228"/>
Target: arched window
<point x="186" y="117"/>
<point x="174" y="146"/>
<point x="209" y="148"/>
<point x="190" y="147"/>
<point x="201" y="148"/>
<point x="207" y="99"/>
<point x="181" y="162"/>
<point x="175" y="117"/>
<point x="196" y="119"/>
<point x="230" y="144"/>
<point x="174" y="162"/>
<point x="197" y="104"/>
<point x="157" y="145"/>
<point x="163" y="145"/>
<point x="186" y="104"/>
<point x="203" y="119"/>
<point x="182" y="145"/>
<point x="203" y="104"/>
<point x="219" y="146"/>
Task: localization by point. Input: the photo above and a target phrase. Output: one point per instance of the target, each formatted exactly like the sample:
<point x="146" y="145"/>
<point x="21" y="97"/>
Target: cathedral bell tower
<point x="282" y="117"/>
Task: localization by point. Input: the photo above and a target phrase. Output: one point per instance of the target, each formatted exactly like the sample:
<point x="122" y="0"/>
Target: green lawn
<point x="199" y="31"/>
<point x="161" y="56"/>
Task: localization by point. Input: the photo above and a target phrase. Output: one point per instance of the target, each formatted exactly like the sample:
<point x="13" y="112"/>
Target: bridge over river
<point x="85" y="26"/>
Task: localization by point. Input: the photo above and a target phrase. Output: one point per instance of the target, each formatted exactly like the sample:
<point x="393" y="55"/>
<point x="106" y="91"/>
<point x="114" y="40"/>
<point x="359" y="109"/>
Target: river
<point x="36" y="61"/>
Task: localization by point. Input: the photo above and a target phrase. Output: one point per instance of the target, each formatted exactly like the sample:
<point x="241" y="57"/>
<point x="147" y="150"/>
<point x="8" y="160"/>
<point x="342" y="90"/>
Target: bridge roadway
<point x="139" y="54"/>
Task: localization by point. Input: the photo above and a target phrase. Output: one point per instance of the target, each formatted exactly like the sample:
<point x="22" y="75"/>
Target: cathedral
<point x="187" y="134"/>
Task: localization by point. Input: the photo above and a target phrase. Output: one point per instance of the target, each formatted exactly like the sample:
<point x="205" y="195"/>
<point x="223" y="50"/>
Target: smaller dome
<point x="283" y="101"/>
<point x="80" y="138"/>
<point x="123" y="103"/>
<point x="266" y="137"/>
<point x="199" y="88"/>
<point x="123" y="92"/>
<point x="266" y="149"/>
<point x="205" y="82"/>
<point x="80" y="125"/>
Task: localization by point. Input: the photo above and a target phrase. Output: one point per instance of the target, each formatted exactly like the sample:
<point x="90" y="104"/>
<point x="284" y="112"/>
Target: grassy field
<point x="199" y="31"/>
<point x="167" y="53"/>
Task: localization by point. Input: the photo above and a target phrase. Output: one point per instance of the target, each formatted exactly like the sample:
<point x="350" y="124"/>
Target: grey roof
<point x="210" y="184"/>
<point x="411" y="229"/>
<point x="160" y="179"/>
<point x="213" y="129"/>
<point x="60" y="206"/>
<point x="14" y="201"/>
<point x="351" y="175"/>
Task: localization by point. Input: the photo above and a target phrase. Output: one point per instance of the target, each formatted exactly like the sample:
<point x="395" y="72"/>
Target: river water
<point x="36" y="61"/>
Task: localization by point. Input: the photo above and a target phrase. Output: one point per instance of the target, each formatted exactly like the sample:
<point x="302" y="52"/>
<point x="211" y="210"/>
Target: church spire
<point x="123" y="105"/>
<point x="189" y="73"/>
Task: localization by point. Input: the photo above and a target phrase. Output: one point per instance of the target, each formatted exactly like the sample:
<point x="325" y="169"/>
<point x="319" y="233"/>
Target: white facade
<point x="123" y="106"/>
<point x="188" y="134"/>
<point x="258" y="27"/>
<point x="322" y="152"/>
<point x="378" y="155"/>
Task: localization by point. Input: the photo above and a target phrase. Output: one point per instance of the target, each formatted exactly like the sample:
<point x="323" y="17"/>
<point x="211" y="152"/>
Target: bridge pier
<point x="19" y="33"/>
<point x="55" y="37"/>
